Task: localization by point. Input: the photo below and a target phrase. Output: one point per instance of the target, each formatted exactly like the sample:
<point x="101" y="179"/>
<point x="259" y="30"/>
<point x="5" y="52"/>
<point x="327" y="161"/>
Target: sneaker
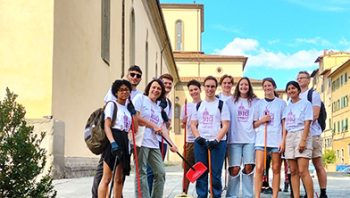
<point x="323" y="196"/>
<point x="286" y="186"/>
<point x="268" y="190"/>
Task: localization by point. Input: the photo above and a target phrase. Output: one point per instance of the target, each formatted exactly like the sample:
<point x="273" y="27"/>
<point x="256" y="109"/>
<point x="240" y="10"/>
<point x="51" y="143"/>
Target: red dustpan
<point x="196" y="170"/>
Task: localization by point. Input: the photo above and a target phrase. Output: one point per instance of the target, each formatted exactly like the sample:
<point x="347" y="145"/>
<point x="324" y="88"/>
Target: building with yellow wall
<point x="61" y="57"/>
<point x="341" y="112"/>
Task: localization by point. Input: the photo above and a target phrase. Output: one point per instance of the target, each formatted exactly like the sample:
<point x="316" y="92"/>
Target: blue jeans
<point x="150" y="175"/>
<point x="217" y="161"/>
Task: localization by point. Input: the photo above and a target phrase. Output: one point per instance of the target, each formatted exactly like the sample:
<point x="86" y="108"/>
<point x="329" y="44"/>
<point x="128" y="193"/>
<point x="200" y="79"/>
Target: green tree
<point x="329" y="157"/>
<point x="22" y="161"/>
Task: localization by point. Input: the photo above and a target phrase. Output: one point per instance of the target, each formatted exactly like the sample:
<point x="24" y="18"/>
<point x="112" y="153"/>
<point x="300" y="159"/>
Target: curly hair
<point x="160" y="82"/>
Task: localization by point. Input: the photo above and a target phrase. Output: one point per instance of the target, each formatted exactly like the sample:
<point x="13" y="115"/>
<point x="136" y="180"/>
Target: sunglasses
<point x="135" y="75"/>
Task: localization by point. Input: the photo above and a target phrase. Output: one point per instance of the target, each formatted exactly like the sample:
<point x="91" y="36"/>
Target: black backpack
<point x="323" y="114"/>
<point x="94" y="134"/>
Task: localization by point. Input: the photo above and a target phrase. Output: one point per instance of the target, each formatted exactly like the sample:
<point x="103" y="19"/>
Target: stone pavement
<point x="338" y="186"/>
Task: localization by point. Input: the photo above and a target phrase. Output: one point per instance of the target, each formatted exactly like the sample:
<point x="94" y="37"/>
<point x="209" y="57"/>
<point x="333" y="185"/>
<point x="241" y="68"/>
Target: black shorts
<point x="121" y="138"/>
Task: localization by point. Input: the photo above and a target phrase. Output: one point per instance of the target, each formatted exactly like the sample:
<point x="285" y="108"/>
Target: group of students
<point x="235" y="126"/>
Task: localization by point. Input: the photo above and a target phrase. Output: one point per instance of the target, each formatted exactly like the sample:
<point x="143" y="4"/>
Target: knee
<point x="259" y="169"/>
<point x="293" y="171"/>
<point x="248" y="168"/>
<point x="276" y="169"/>
<point x="119" y="179"/>
<point x="234" y="170"/>
<point x="105" y="180"/>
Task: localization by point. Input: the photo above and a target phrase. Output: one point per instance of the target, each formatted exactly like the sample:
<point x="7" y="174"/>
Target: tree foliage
<point x="22" y="161"/>
<point x="329" y="157"/>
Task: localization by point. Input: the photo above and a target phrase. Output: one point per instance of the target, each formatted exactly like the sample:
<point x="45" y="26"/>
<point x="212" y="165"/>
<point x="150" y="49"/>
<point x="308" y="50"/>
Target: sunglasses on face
<point x="135" y="75"/>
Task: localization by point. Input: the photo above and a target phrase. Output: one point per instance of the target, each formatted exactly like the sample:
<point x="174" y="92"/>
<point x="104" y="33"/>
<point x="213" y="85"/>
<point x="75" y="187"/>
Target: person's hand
<point x="173" y="149"/>
<point x="266" y="118"/>
<point x="115" y="149"/>
<point x="201" y="141"/>
<point x="281" y="148"/>
<point x="212" y="144"/>
<point x="302" y="145"/>
<point x="157" y="130"/>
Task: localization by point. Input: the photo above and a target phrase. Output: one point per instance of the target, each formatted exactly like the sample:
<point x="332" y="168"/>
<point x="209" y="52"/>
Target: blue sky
<point x="279" y="37"/>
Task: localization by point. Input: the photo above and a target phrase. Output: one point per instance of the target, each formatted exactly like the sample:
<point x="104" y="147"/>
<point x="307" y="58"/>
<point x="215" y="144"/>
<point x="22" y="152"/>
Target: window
<point x="132" y="39"/>
<point x="346" y="101"/>
<point x="346" y="124"/>
<point x="177" y="121"/>
<point x="105" y="30"/>
<point x="349" y="149"/>
<point x="341" y="80"/>
<point x="338" y="127"/>
<point x="179" y="35"/>
<point x="345" y="78"/>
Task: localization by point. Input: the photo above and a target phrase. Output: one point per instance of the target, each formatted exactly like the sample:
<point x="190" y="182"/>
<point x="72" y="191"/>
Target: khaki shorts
<point x="292" y="146"/>
<point x="316" y="146"/>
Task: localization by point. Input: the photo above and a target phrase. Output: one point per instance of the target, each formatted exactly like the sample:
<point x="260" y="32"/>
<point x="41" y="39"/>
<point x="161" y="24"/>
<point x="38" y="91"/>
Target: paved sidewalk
<point x="338" y="186"/>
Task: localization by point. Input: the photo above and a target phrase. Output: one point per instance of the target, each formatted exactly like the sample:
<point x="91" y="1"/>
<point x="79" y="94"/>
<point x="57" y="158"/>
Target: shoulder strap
<point x="217" y="96"/>
<point x="198" y="105"/>
<point x="169" y="102"/>
<point x="115" y="110"/>
<point x="221" y="103"/>
<point x="309" y="95"/>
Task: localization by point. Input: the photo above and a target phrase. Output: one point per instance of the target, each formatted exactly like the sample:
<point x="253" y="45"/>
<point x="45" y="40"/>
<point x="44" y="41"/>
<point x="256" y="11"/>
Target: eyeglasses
<point x="209" y="86"/>
<point x="135" y="75"/>
<point x="123" y="90"/>
<point x="302" y="77"/>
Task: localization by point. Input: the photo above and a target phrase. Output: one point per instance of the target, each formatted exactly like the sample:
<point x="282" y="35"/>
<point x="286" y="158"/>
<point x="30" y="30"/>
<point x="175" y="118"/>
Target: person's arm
<point x="144" y="122"/>
<point x="223" y="130"/>
<point x="108" y="131"/>
<point x="195" y="132"/>
<point x="263" y="120"/>
<point x="302" y="144"/>
<point x="284" y="136"/>
<point x="316" y="112"/>
<point x="173" y="147"/>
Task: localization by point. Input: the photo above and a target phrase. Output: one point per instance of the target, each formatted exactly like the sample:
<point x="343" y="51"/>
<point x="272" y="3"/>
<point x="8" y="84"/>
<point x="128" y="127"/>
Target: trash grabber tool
<point x="136" y="160"/>
<point x="210" y="174"/>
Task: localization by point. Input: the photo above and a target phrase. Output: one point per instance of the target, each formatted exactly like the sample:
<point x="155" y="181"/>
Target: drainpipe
<point x="123" y="38"/>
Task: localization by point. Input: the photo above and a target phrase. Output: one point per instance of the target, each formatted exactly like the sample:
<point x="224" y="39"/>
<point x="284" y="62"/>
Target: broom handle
<point x="210" y="173"/>
<point x="177" y="152"/>
<point x="185" y="133"/>
<point x="136" y="160"/>
<point x="265" y="142"/>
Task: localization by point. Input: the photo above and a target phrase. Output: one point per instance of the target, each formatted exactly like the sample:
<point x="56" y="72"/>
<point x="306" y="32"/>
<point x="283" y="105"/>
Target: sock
<point x="323" y="191"/>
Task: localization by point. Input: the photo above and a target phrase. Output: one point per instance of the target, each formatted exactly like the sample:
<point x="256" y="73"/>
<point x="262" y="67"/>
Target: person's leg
<point x="106" y="178"/>
<point x="234" y="154"/>
<point x="97" y="178"/>
<point x="201" y="155"/>
<point x="118" y="181"/>
<point x="286" y="179"/>
<point x="317" y="162"/>
<point x="142" y="153"/>
<point x="294" y="172"/>
<point x="276" y="169"/>
<point x="303" y="167"/>
<point x="190" y="158"/>
<point x="259" y="171"/>
<point x="156" y="163"/>
<point x="248" y="170"/>
<point x="217" y="160"/>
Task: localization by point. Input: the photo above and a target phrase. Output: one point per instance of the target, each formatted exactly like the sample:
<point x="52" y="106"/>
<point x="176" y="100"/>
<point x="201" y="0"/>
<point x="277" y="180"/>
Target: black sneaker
<point x="268" y="190"/>
<point x="323" y="196"/>
<point x="286" y="186"/>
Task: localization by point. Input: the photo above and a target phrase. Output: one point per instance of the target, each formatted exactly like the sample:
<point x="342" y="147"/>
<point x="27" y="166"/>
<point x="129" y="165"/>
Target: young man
<point x="134" y="76"/>
<point x="168" y="84"/>
<point x="303" y="79"/>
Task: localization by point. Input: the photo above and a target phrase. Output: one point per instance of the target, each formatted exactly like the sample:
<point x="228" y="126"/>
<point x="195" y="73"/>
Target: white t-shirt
<point x="110" y="97"/>
<point x="242" y="117"/>
<point x="209" y="118"/>
<point x="191" y="108"/>
<point x="316" y="102"/>
<point x="223" y="97"/>
<point x="274" y="127"/>
<point x="123" y="119"/>
<point x="296" y="113"/>
<point x="149" y="110"/>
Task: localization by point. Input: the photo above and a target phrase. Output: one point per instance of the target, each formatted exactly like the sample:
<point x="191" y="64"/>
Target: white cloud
<point x="260" y="57"/>
<point x="314" y="41"/>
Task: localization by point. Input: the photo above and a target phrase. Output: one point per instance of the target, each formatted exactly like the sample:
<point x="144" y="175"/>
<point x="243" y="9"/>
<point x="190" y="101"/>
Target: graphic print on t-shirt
<point x="207" y="119"/>
<point x="290" y="119"/>
<point x="126" y="121"/>
<point x="243" y="113"/>
<point x="154" y="117"/>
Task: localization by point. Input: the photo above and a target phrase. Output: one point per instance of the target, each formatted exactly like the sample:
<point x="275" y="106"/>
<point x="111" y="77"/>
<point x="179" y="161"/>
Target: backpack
<point x="323" y="114"/>
<point x="94" y="134"/>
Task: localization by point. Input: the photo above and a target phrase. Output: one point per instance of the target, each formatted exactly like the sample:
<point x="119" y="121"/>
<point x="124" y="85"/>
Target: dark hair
<point x="115" y="88"/>
<point x="211" y="78"/>
<point x="135" y="68"/>
<point x="167" y="76"/>
<point x="160" y="82"/>
<point x="269" y="79"/>
<point x="295" y="84"/>
<point x="306" y="73"/>
<point x="225" y="76"/>
<point x="237" y="94"/>
<point x="194" y="83"/>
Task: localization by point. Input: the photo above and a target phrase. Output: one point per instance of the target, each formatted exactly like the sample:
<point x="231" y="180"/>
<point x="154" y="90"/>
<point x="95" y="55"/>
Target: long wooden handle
<point x="210" y="174"/>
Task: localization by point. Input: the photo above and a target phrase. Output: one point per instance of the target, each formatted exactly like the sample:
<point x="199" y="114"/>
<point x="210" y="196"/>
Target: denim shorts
<point x="268" y="149"/>
<point x="239" y="153"/>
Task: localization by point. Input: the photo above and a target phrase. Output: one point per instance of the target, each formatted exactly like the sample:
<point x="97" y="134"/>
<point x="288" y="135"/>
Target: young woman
<point x="149" y="115"/>
<point x="297" y="119"/>
<point x="209" y="125"/>
<point x="226" y="83"/>
<point x="268" y="116"/>
<point x="117" y="134"/>
<point x="241" y="139"/>
<point x="194" y="89"/>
